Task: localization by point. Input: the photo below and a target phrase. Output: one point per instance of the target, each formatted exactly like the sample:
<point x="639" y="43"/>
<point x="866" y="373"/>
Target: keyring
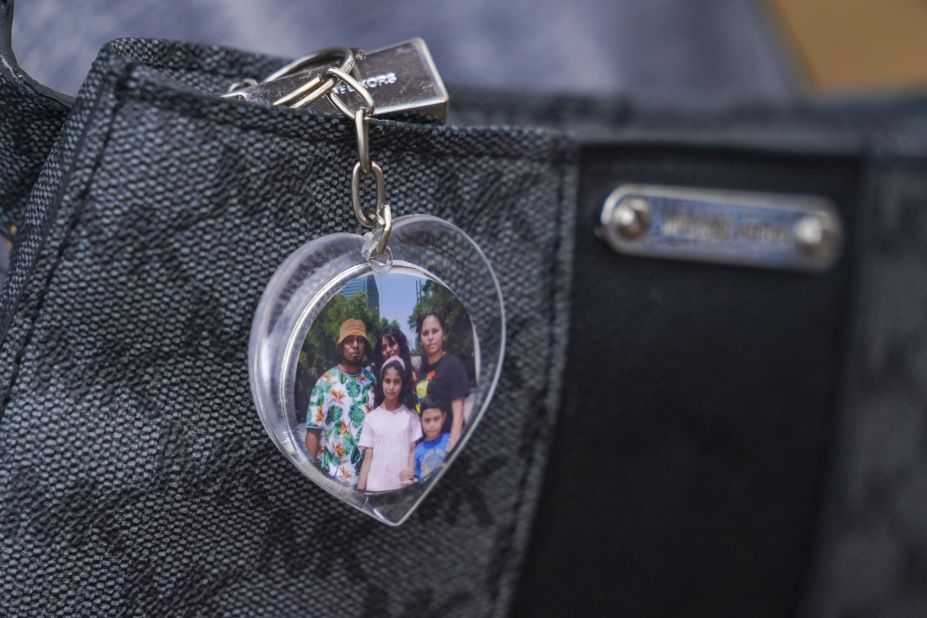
<point x="318" y="86"/>
<point x="343" y="59"/>
<point x="346" y="55"/>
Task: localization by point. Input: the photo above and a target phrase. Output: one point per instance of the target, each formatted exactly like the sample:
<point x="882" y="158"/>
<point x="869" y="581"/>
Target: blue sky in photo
<point x="397" y="297"/>
<point x="397" y="300"/>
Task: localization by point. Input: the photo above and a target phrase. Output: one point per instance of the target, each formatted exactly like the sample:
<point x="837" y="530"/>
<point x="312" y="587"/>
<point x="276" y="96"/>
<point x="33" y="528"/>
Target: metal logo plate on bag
<point x="767" y="230"/>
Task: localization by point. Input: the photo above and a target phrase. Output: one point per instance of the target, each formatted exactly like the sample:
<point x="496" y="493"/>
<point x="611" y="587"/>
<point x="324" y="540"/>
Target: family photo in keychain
<point x="384" y="380"/>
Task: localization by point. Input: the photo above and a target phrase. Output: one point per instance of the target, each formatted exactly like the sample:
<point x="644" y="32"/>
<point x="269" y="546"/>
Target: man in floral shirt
<point x="338" y="405"/>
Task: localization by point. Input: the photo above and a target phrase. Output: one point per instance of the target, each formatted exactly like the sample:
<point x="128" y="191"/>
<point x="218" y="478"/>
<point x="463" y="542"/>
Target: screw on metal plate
<point x="632" y="217"/>
<point x="815" y="235"/>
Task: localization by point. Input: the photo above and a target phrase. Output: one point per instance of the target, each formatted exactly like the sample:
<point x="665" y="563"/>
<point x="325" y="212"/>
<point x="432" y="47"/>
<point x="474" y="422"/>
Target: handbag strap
<point x="9" y="64"/>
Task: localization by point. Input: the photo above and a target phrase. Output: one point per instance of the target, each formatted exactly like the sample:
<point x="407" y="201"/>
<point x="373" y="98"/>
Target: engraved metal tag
<point x="402" y="79"/>
<point x="766" y="230"/>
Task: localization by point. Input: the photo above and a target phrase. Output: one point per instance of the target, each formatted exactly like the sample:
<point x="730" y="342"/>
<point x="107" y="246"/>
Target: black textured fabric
<point x="739" y="403"/>
<point x="871" y="557"/>
<point x="711" y="391"/>
<point x="194" y="66"/>
<point x="136" y="477"/>
<point x="29" y="123"/>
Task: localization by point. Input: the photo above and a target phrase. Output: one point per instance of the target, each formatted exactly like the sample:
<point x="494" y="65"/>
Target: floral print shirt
<point x="338" y="405"/>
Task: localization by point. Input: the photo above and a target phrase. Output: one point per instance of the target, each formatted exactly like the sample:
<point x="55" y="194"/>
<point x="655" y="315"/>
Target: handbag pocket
<point x="129" y="436"/>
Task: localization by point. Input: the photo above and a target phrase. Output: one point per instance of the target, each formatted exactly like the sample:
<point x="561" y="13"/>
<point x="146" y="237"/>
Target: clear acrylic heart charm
<point x="370" y="375"/>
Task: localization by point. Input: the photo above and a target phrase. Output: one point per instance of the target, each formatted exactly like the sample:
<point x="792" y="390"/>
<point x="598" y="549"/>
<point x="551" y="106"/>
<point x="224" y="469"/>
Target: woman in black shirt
<point x="443" y="375"/>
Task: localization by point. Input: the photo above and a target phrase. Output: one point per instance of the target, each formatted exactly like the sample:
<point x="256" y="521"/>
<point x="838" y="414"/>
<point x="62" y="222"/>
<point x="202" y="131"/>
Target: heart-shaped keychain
<point x="372" y="357"/>
<point x="371" y="376"/>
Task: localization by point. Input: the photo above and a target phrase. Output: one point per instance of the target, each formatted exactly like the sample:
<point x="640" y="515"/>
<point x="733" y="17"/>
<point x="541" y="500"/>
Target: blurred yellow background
<point x="856" y="45"/>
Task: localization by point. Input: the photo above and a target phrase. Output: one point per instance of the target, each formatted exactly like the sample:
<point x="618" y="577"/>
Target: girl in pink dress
<point x="390" y="431"/>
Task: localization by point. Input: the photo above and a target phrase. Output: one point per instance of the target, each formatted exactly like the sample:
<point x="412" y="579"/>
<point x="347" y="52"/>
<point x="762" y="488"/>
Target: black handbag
<point x="670" y="436"/>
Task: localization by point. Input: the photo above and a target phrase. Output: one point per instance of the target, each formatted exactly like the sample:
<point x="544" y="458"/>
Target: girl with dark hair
<point x="406" y="394"/>
<point x="390" y="432"/>
<point x="392" y="342"/>
<point x="443" y="375"/>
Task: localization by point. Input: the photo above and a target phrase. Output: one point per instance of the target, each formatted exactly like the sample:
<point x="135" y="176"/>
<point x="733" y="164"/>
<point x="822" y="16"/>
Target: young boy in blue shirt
<point x="431" y="452"/>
